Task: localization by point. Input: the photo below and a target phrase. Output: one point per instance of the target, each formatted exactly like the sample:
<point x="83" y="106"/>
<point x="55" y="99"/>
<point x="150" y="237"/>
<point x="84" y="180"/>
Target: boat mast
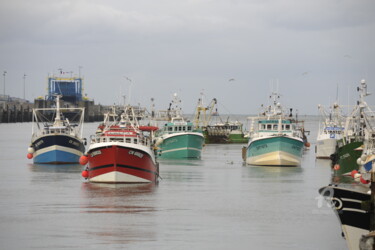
<point x="58" y="116"/>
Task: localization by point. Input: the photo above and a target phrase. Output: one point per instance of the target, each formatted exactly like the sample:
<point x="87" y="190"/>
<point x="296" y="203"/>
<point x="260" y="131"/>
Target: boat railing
<point x="55" y="130"/>
<point x="99" y="138"/>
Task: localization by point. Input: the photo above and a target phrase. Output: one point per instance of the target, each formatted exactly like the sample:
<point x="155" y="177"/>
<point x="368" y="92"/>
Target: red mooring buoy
<point x="85" y="174"/>
<point x="83" y="160"/>
<point x="363" y="181"/>
<point x="353" y="173"/>
<point x="29" y="156"/>
<point x="336" y="167"/>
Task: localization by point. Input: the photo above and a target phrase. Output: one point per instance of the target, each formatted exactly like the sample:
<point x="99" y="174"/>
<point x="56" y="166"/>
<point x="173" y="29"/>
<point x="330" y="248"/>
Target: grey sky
<point x="168" y="46"/>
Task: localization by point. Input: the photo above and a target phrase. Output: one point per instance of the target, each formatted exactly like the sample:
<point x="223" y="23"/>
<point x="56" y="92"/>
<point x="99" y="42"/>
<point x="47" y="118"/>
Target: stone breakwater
<point x="15" y="112"/>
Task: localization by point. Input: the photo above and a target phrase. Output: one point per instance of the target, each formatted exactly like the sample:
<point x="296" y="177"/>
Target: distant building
<point x="70" y="89"/>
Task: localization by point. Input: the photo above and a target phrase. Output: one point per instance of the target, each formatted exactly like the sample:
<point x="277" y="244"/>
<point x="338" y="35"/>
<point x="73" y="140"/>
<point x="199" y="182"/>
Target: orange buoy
<point x="363" y="181"/>
<point x="353" y="173"/>
<point x="336" y="167"/>
<point x="307" y="144"/>
<point x="85" y="174"/>
<point x="83" y="160"/>
<point x="29" y="156"/>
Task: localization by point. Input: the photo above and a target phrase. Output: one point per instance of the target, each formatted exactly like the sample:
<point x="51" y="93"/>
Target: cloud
<point x="190" y="45"/>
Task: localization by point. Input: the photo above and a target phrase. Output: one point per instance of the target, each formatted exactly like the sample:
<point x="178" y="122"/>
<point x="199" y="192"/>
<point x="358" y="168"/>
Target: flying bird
<point x="232" y="79"/>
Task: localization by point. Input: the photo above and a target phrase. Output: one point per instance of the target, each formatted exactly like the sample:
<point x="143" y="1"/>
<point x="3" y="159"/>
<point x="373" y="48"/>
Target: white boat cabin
<point x="175" y="127"/>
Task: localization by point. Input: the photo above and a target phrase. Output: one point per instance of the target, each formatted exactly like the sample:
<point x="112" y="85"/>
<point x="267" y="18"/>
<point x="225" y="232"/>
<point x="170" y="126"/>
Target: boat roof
<point x="274" y="121"/>
<point x="178" y="124"/>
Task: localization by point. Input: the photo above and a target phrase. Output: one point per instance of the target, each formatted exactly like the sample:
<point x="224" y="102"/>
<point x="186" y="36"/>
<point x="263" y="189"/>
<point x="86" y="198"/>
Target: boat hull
<point x="237" y="137"/>
<point x="121" y="163"/>
<point x="57" y="149"/>
<point x="325" y="148"/>
<point x="275" y="151"/>
<point x="223" y="138"/>
<point x="181" y="146"/>
<point x="346" y="157"/>
<point x="347" y="204"/>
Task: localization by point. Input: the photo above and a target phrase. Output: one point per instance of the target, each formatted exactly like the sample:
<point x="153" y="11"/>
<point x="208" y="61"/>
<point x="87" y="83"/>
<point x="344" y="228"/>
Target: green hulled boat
<point x="229" y="132"/>
<point x="219" y="131"/>
<point x="178" y="139"/>
<point x="275" y="139"/>
<point x="350" y="147"/>
<point x="345" y="159"/>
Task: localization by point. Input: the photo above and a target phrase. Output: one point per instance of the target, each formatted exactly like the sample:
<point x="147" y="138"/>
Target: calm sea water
<point x="212" y="203"/>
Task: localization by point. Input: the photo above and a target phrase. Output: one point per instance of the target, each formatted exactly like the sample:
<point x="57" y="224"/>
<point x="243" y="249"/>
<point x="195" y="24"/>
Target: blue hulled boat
<point x="54" y="139"/>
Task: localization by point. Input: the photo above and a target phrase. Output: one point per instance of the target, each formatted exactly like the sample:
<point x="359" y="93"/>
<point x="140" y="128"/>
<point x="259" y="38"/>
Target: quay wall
<point x="14" y="111"/>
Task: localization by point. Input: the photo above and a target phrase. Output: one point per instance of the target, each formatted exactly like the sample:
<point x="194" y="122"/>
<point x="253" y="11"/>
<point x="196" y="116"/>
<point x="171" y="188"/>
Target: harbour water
<point x="212" y="203"/>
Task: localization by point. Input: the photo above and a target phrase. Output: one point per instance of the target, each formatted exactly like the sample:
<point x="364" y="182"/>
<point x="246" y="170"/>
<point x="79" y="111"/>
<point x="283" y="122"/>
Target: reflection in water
<point x="65" y="168"/>
<point x="119" y="213"/>
<point x="272" y="172"/>
<point x="112" y="198"/>
<point x="323" y="163"/>
<point x="180" y="162"/>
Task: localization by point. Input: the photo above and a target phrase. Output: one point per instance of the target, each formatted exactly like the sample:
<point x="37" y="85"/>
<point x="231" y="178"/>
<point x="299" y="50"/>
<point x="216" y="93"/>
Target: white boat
<point x="331" y="129"/>
<point x="55" y="139"/>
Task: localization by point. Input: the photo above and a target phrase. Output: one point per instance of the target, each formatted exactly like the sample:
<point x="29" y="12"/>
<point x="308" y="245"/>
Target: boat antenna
<point x="130" y="88"/>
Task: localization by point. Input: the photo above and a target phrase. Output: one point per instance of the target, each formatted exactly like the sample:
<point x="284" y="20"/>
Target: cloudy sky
<point x="188" y="46"/>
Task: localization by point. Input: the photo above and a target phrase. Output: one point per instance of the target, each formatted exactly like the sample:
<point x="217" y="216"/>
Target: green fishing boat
<point x="350" y="147"/>
<point x="217" y="131"/>
<point x="178" y="139"/>
<point x="275" y="138"/>
<point x="228" y="132"/>
<point x="345" y="159"/>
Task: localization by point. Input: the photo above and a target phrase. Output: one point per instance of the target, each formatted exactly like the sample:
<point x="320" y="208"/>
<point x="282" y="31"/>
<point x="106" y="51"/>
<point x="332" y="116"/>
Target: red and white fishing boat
<point x="121" y="151"/>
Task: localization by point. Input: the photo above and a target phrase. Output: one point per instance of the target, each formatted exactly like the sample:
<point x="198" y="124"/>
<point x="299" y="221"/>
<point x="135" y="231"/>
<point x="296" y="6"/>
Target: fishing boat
<point x="56" y="140"/>
<point x="352" y="203"/>
<point x="178" y="139"/>
<point x="275" y="139"/>
<point x="349" y="206"/>
<point x="331" y="129"/>
<point x="225" y="132"/>
<point x="350" y="147"/>
<point x="121" y="151"/>
<point x="217" y="131"/>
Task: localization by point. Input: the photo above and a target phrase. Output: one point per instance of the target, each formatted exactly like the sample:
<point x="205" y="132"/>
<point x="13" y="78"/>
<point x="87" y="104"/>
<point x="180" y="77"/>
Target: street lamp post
<point x="4" y="74"/>
<point x="24" y="80"/>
